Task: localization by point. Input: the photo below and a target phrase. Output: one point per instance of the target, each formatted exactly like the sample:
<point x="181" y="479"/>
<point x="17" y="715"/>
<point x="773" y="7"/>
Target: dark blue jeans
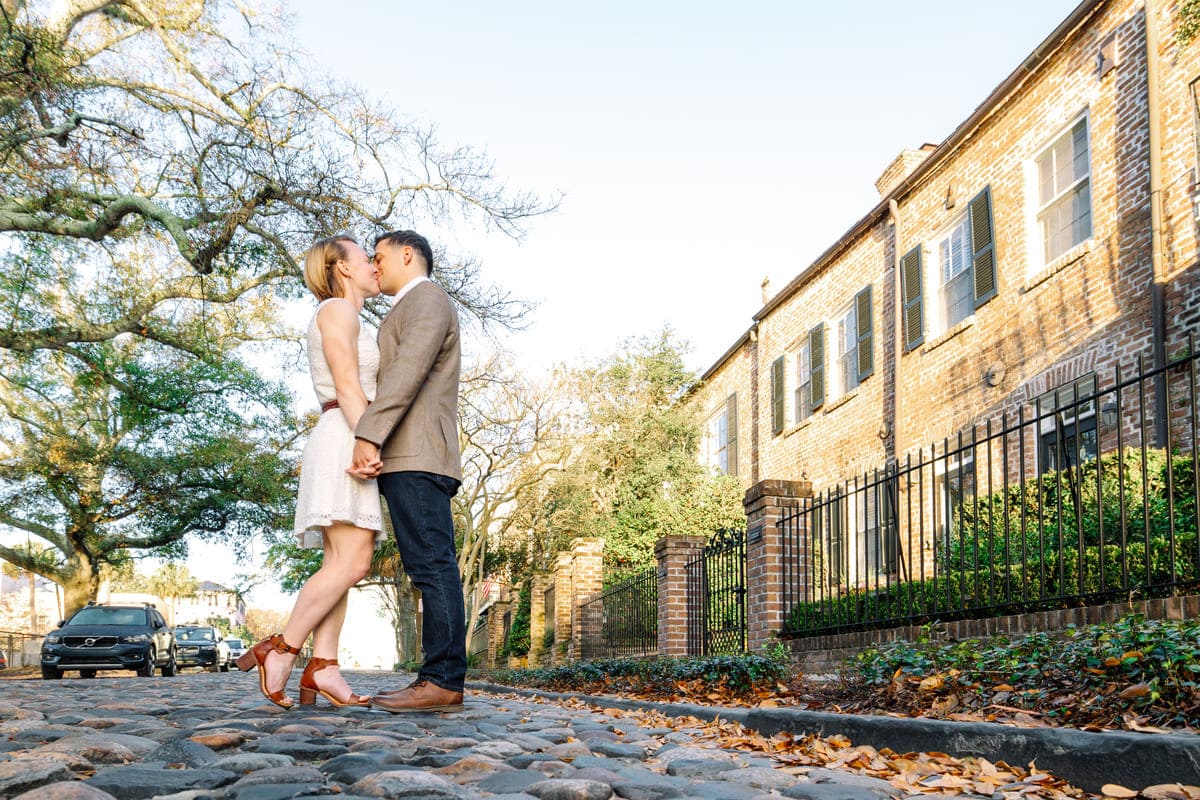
<point x="419" y="504"/>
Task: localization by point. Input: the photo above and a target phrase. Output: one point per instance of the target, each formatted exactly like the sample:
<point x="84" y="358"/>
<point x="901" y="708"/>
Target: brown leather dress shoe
<point x="420" y="696"/>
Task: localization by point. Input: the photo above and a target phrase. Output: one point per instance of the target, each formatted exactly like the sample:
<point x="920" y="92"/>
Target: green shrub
<point x="739" y="675"/>
<point x="517" y="643"/>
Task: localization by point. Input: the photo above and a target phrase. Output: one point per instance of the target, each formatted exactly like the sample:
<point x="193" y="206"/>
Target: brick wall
<point x="1048" y="323"/>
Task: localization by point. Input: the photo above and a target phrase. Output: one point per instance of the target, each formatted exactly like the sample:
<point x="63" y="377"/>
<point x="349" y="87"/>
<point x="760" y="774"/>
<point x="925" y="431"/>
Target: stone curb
<point x="1085" y="758"/>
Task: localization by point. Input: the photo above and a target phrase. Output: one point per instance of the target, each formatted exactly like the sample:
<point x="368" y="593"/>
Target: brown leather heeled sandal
<point x="257" y="657"/>
<point x="309" y="689"/>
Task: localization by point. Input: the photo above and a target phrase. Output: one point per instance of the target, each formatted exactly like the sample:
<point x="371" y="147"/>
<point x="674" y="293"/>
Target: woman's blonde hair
<point x="319" y="263"/>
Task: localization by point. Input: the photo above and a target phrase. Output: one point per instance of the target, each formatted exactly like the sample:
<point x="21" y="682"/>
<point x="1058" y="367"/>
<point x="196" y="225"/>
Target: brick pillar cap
<point x="681" y="541"/>
<point x="778" y="488"/>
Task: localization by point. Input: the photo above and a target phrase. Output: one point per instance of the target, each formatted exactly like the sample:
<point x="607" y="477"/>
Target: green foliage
<point x="517" y="643"/>
<point x="1188" y="21"/>
<point x="739" y="675"/>
<point x="1159" y="657"/>
<point x="1020" y="548"/>
<point x="631" y="474"/>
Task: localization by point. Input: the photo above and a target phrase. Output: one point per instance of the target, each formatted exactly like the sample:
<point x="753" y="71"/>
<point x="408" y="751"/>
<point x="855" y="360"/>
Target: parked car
<point x="100" y="636"/>
<point x="3" y="660"/>
<point x="202" y="646"/>
<point x="236" y="648"/>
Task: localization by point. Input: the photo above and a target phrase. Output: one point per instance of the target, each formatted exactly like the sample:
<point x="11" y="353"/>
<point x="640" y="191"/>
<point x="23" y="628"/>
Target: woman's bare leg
<point x="347" y="560"/>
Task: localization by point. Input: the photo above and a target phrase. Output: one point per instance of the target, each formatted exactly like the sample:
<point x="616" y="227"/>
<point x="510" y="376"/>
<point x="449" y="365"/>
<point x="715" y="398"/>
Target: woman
<point x="335" y="510"/>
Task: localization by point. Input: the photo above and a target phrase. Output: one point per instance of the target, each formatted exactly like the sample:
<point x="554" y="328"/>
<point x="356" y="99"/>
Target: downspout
<point x="1158" y="286"/>
<point x="897" y="327"/>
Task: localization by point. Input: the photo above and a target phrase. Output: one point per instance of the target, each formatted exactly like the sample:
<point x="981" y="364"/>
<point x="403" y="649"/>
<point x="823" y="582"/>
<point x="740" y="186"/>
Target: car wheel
<point x="225" y="666"/>
<point x="170" y="669"/>
<point x="87" y="673"/>
<point x="147" y="670"/>
<point x="51" y="674"/>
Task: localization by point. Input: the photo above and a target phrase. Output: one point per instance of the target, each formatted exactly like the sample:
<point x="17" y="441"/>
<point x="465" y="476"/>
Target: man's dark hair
<point x="413" y="240"/>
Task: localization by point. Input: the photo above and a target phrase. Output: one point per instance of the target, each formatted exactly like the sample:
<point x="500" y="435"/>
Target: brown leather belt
<point x="330" y="406"/>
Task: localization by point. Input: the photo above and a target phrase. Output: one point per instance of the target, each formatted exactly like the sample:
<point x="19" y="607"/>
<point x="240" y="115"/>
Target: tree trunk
<point x="79" y="586"/>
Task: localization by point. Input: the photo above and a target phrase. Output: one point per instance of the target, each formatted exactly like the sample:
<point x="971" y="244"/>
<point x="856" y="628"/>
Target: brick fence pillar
<point x="766" y="503"/>
<point x="537" y="616"/>
<point x="496" y="631"/>
<point x="564" y="592"/>
<point x="587" y="579"/>
<point x="673" y="553"/>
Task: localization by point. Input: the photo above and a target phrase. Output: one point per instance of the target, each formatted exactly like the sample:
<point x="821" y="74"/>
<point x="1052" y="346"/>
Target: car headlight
<point x="53" y="638"/>
<point x="136" y="638"/>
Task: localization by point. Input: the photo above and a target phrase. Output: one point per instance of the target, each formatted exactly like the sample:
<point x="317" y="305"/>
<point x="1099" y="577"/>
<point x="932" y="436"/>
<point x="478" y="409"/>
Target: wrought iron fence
<point x="623" y="620"/>
<point x="1088" y="494"/>
<point x="716" y="596"/>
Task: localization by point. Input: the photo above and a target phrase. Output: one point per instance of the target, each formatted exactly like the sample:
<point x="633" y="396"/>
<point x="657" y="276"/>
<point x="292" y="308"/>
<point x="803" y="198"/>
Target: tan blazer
<point x="414" y="416"/>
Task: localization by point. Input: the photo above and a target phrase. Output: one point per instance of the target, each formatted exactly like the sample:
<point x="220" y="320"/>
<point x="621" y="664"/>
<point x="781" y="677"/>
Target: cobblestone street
<point x="203" y="735"/>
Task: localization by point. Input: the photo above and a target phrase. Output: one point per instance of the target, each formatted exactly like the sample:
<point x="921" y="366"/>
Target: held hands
<point x="366" y="464"/>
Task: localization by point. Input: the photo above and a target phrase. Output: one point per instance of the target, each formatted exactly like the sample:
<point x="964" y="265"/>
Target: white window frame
<point x="845" y="329"/>
<point x="937" y="312"/>
<point x="960" y="466"/>
<point x="1077" y="414"/>
<point x="716" y="441"/>
<point x="1041" y="256"/>
<point x="801" y="360"/>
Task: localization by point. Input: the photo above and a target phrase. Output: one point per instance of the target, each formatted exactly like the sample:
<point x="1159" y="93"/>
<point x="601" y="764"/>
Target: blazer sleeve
<point x="413" y="334"/>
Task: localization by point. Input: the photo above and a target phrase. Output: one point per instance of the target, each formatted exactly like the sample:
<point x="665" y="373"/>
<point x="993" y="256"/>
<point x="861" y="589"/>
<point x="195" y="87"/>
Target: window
<point x="955" y="487"/>
<point x="1064" y="192"/>
<point x="854" y="343"/>
<point x="956" y="298"/>
<point x="804" y="383"/>
<point x="883" y="528"/>
<point x="1067" y="425"/>
<point x="962" y="273"/>
<point x="720" y="438"/>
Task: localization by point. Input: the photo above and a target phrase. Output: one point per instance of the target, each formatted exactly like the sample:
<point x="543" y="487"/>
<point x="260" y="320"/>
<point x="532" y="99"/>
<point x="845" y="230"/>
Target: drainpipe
<point x="1158" y="286"/>
<point x="897" y="327"/>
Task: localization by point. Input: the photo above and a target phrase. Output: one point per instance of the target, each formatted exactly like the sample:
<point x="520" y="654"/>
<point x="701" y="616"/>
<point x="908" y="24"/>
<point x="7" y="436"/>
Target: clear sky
<point x="698" y="146"/>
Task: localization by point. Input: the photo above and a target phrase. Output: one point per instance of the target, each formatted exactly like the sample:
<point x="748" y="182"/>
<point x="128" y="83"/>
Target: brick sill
<point x="799" y="426"/>
<point x="833" y="405"/>
<point x="950" y="334"/>
<point x="1058" y="265"/>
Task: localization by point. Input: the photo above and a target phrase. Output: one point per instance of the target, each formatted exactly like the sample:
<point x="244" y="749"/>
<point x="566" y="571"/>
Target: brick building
<point x="1050" y="237"/>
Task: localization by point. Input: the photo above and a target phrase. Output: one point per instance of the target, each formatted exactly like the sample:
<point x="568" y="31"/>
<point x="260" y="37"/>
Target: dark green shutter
<point x="731" y="453"/>
<point x="910" y="279"/>
<point x="777" y="395"/>
<point x="983" y="246"/>
<point x="866" y="338"/>
<point x="816" y="366"/>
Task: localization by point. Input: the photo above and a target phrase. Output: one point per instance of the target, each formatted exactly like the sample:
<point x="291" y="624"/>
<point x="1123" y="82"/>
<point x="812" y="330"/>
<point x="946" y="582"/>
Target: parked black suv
<point x="201" y="646"/>
<point x="101" y="636"/>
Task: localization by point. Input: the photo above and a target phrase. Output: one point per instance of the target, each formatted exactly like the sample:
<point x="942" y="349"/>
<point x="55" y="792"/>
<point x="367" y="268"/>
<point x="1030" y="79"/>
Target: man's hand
<point x="366" y="463"/>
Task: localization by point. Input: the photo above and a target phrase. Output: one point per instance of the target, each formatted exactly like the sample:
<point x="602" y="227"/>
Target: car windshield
<point x="104" y="615"/>
<point x="234" y="642"/>
<point x="194" y="635"/>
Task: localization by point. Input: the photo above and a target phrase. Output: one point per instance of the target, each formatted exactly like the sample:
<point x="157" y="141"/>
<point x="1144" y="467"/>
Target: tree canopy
<point x="630" y="472"/>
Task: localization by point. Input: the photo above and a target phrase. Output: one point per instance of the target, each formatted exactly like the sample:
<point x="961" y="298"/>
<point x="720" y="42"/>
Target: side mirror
<point x="62" y="622"/>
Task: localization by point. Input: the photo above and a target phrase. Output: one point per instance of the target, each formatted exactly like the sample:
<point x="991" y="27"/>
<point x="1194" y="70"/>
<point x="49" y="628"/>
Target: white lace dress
<point x="327" y="494"/>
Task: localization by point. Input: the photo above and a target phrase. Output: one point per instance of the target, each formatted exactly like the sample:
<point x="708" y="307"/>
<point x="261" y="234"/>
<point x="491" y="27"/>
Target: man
<point x="409" y="436"/>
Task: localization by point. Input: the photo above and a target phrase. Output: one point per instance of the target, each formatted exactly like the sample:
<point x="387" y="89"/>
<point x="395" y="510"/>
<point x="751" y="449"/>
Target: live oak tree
<point x="196" y="121"/>
<point x="163" y="163"/>
<point x="131" y="444"/>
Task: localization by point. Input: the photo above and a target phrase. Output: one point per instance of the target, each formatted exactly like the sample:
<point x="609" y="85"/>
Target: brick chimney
<point x="901" y="167"/>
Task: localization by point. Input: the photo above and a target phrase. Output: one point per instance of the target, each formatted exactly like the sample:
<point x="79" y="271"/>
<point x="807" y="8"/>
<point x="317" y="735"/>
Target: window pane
<point x="1045" y="166"/>
<point x="1079" y="143"/>
<point x="959" y="299"/>
<point x="1081" y="211"/>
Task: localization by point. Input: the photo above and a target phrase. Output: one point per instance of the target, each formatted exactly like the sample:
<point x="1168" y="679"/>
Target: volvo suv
<point x="100" y="636"/>
<point x="201" y="646"/>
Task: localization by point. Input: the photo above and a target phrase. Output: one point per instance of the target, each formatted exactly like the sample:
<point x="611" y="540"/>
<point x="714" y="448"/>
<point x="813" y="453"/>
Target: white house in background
<point x="211" y="601"/>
